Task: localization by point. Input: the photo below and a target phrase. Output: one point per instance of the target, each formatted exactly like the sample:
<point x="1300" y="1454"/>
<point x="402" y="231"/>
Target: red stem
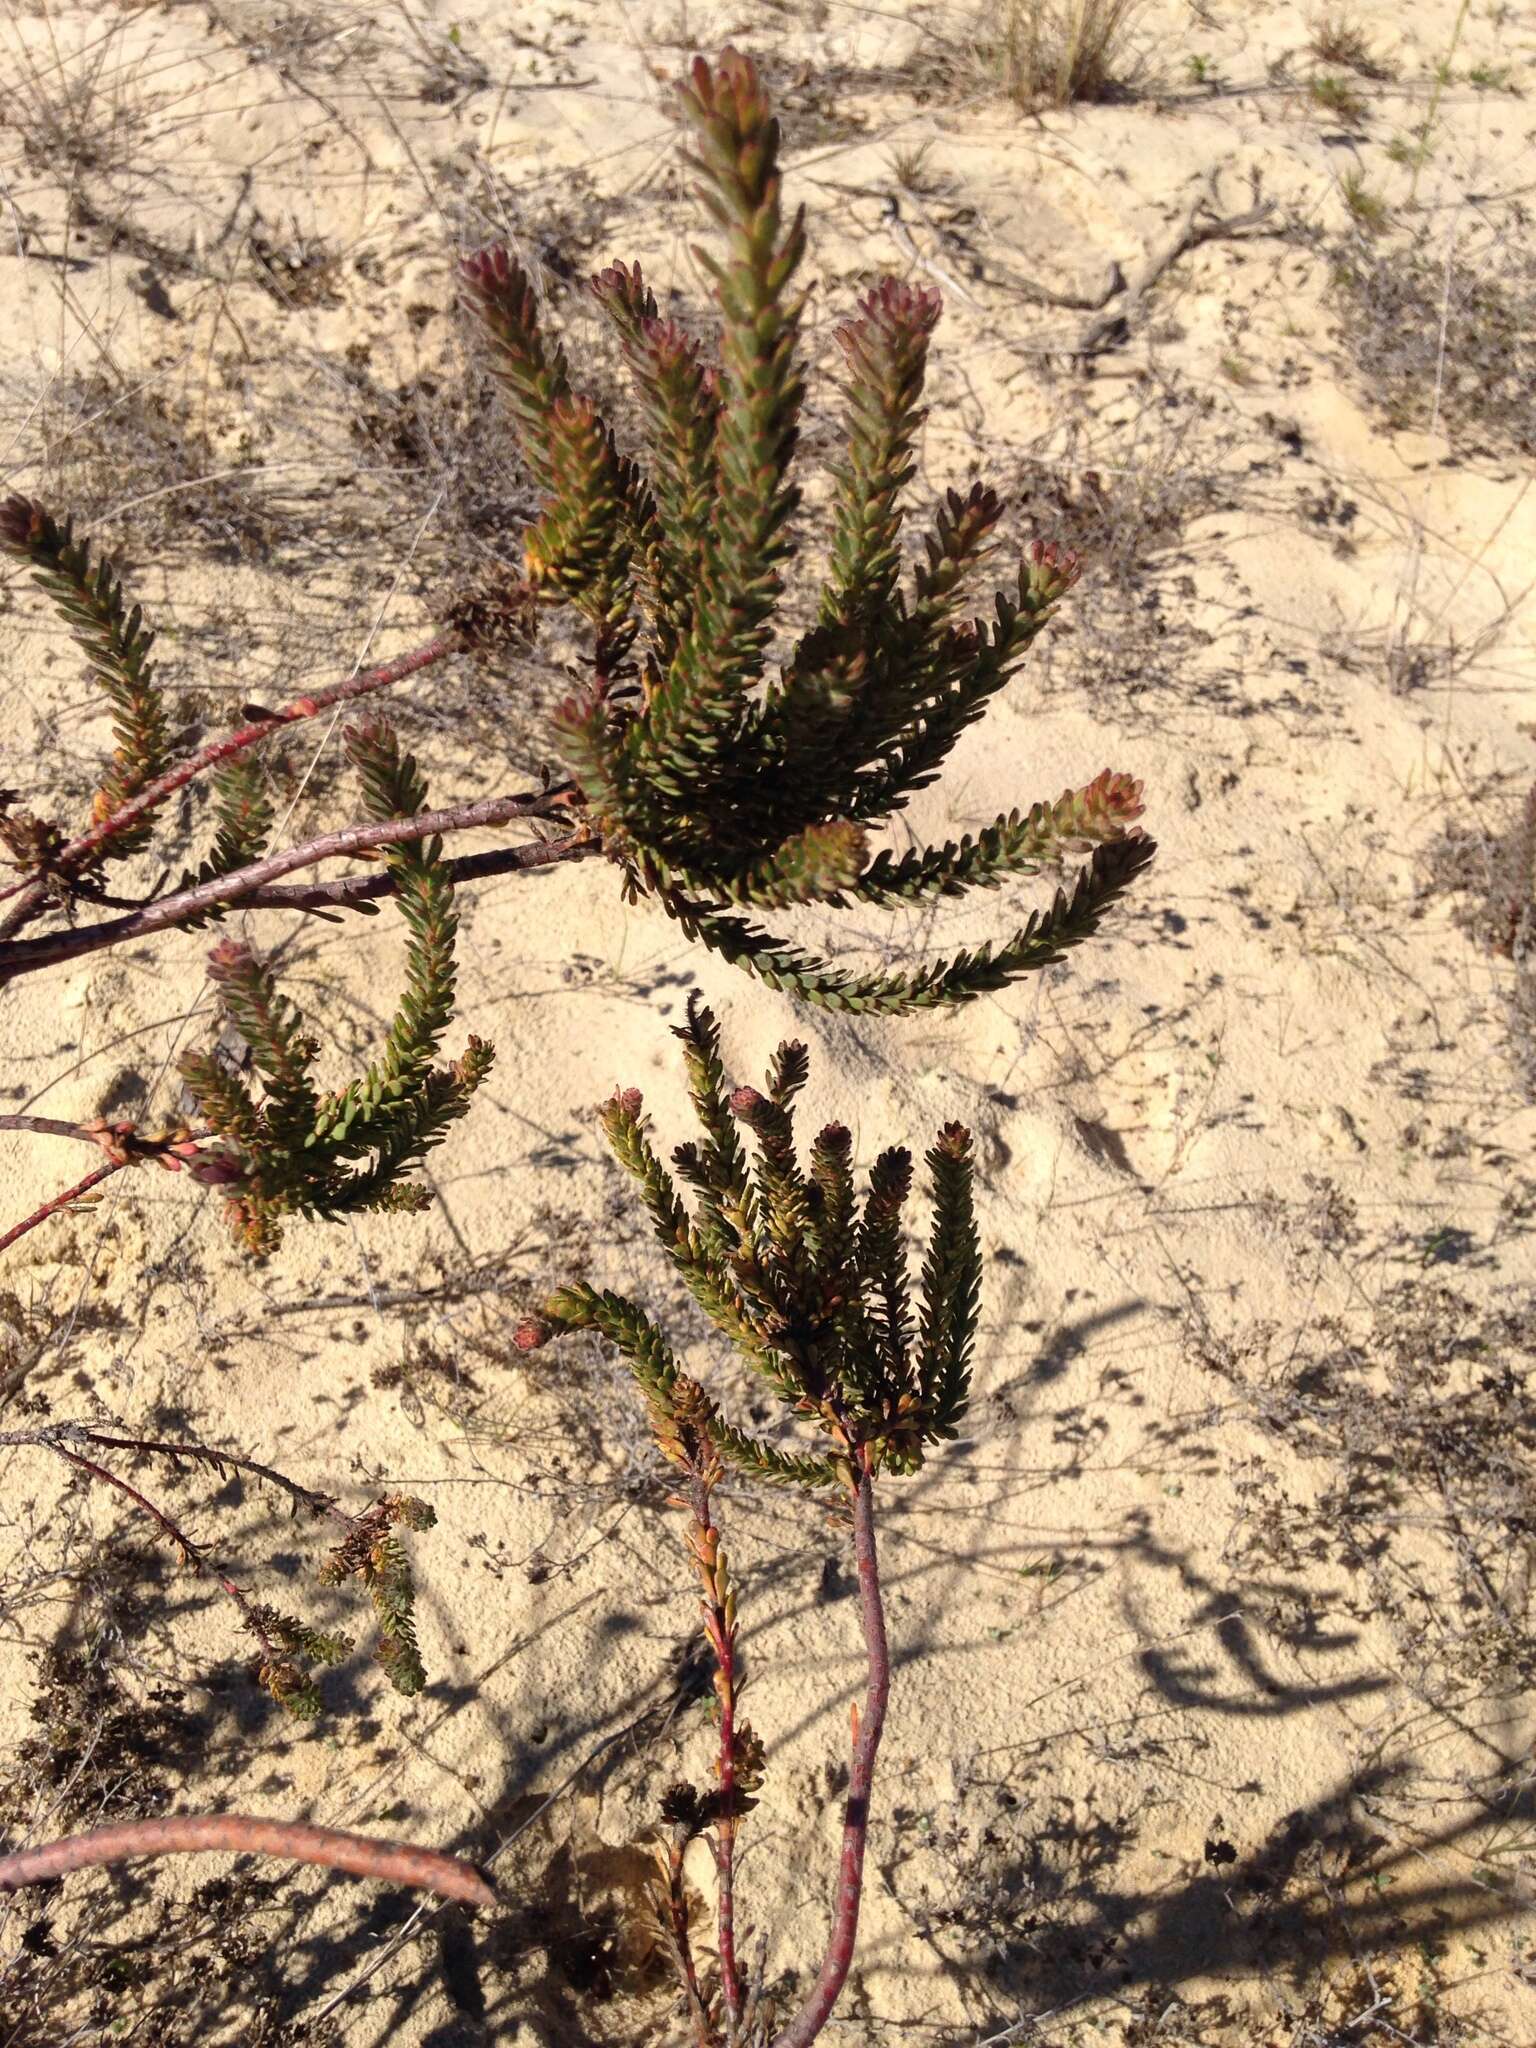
<point x="79" y="851"/>
<point x="26" y="956"/>
<point x="81" y="1187"/>
<point x="192" y="1552"/>
<point x="244" y="1834"/>
<point x="723" y="1640"/>
<point x="817" y="2009"/>
<point x="122" y="1141"/>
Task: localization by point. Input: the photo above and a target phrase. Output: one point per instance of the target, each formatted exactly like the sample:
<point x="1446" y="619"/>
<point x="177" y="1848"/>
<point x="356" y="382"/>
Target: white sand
<point x="1098" y="1672"/>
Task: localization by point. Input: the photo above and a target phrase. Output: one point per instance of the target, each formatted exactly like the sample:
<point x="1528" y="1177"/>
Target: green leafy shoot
<point x="811" y="1289"/>
<point x="116" y="644"/>
<point x="297" y="1151"/>
<point x="719" y="787"/>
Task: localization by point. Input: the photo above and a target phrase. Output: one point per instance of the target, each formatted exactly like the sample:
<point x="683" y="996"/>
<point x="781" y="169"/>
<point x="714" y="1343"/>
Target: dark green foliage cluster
<point x="242" y="819"/>
<point x="116" y="645"/>
<point x="809" y="1283"/>
<point x="298" y="1151"/>
<point x="291" y="1652"/>
<point x="373" y="1555"/>
<point x="717" y="787"/>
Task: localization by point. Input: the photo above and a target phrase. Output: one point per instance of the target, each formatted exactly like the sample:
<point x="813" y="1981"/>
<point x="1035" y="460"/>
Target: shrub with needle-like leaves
<point x="116" y="643"/>
<point x="728" y="777"/>
<point x="296" y="1150"/>
<point x="723" y="783"/>
<point x="369" y="1553"/>
<point x="810" y="1284"/>
<point x="717" y="787"/>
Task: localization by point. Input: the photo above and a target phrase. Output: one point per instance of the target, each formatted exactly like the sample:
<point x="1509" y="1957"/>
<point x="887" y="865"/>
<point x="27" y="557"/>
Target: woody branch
<point x="70" y="859"/>
<point x="26" y="956"/>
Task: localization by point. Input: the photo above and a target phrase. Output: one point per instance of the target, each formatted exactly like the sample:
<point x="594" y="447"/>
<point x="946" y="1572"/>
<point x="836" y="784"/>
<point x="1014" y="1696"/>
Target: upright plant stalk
<point x="868" y="1728"/>
<point x="720" y="1626"/>
<point x="813" y="1292"/>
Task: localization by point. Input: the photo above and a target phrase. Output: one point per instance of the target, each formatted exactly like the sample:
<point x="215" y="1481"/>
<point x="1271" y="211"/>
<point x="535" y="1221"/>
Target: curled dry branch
<point x="245" y="1835"/>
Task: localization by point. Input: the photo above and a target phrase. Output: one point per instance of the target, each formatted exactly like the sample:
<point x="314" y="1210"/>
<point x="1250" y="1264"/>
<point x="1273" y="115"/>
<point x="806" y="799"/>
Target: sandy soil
<point x="1209" y="1721"/>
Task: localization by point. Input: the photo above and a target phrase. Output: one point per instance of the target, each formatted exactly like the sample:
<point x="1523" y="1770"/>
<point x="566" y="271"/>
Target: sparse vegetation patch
<point x="1445" y="344"/>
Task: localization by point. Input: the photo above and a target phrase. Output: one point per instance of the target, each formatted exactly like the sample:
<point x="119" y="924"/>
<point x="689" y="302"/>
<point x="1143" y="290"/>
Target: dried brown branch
<point x="123" y="1143"/>
<point x="58" y="1435"/>
<point x="350" y="892"/>
<point x="672" y="1913"/>
<point x="1112" y="326"/>
<point x="190" y="1551"/>
<point x="722" y="1635"/>
<point x="48" y="1127"/>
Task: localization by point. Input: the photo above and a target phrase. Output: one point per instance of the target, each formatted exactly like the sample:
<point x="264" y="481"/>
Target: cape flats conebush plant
<point x="726" y="786"/>
<point x="719" y="788"/>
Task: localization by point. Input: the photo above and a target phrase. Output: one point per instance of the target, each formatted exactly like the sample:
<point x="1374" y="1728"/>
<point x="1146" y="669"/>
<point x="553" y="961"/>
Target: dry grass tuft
<point x="1052" y="52"/>
<point x="1335" y="39"/>
<point x="1337" y="98"/>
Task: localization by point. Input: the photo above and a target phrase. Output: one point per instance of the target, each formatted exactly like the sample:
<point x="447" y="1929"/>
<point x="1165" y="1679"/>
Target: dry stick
<point x="244" y="1834"/>
<point x="78" y="851"/>
<point x="110" y="1138"/>
<point x="682" y="1946"/>
<point x="48" y="1127"/>
<point x="817" y="2009"/>
<point x="192" y="1553"/>
<point x="1112" y="326"/>
<point x="26" y="956"/>
<point x="52" y="1435"/>
<point x="901" y="235"/>
<point x="347" y="892"/>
